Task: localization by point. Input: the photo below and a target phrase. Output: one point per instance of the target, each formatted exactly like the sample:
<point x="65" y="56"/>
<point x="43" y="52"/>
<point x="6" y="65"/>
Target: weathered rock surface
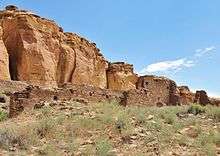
<point x="41" y="54"/>
<point x="36" y="51"/>
<point x="160" y="90"/>
<point x="121" y="76"/>
<point x="201" y="97"/>
<point x="186" y="96"/>
<point x="4" y="62"/>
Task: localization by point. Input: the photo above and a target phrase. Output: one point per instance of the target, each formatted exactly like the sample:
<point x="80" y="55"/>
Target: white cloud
<point x="176" y="65"/>
<point x="202" y="52"/>
<point x="165" y="66"/>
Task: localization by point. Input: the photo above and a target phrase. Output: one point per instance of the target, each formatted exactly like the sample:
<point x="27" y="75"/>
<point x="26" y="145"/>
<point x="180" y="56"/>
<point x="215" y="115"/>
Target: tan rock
<point x="186" y="96"/>
<point x="90" y="67"/>
<point x="4" y="60"/>
<point x="121" y="76"/>
<point x="41" y="54"/>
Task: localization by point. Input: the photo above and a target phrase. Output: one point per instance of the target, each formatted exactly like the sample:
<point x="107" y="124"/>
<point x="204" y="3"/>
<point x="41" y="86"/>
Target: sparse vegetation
<point x="3" y="116"/>
<point x="196" y="109"/>
<point x="110" y="129"/>
<point x="103" y="147"/>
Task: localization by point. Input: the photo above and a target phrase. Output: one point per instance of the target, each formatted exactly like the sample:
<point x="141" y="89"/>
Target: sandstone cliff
<point x="37" y="51"/>
<point x="121" y="76"/>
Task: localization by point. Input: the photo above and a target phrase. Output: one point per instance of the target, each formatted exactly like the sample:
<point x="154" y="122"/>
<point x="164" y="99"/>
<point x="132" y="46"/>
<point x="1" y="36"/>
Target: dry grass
<point x="110" y="129"/>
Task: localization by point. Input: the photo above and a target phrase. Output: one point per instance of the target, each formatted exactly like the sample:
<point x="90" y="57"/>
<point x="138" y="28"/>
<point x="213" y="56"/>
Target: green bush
<point x="103" y="147"/>
<point x="3" y="116"/>
<point x="196" y="109"/>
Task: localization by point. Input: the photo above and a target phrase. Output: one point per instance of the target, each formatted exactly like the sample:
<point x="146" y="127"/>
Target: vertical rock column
<point x="4" y="60"/>
<point x="120" y="76"/>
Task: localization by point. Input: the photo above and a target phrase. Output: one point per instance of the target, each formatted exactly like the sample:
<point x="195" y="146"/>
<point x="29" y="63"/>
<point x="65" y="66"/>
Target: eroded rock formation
<point x="121" y="76"/>
<point x="201" y="97"/>
<point x="35" y="50"/>
<point x="39" y="53"/>
<point x="186" y="96"/>
<point x="4" y="60"/>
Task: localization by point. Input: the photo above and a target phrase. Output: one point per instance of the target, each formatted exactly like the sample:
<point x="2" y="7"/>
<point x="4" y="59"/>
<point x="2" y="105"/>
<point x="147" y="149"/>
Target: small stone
<point x="12" y="149"/>
<point x="133" y="137"/>
<point x="150" y="117"/>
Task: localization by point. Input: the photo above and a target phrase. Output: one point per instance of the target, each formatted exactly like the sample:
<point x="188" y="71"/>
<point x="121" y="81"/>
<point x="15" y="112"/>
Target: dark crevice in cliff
<point x="13" y="67"/>
<point x="11" y="42"/>
<point x="74" y="67"/>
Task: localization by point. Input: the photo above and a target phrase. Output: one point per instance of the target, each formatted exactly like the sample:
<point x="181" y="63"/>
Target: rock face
<point x="186" y="96"/>
<point x="4" y="62"/>
<point x="121" y="76"/>
<point x="90" y="65"/>
<point x="201" y="97"/>
<point x="39" y="53"/>
<point x="36" y="51"/>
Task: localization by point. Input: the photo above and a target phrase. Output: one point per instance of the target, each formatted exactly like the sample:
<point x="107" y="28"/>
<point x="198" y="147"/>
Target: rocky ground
<point x="71" y="128"/>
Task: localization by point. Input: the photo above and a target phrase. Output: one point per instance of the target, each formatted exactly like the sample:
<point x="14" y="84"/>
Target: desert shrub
<point x="139" y="114"/>
<point x="168" y="115"/>
<point x="169" y="118"/>
<point x="213" y="112"/>
<point x="45" y="111"/>
<point x="21" y="136"/>
<point x="49" y="149"/>
<point x="115" y="116"/>
<point x="123" y="123"/>
<point x="106" y="112"/>
<point x="45" y="126"/>
<point x="3" y="115"/>
<point x="103" y="147"/>
<point x="205" y="141"/>
<point x="216" y="139"/>
<point x="8" y="137"/>
<point x="196" y="109"/>
<point x="87" y="123"/>
<point x="165" y="135"/>
<point x="182" y="140"/>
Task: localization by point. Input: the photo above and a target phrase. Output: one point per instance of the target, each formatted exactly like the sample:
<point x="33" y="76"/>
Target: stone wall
<point x="34" y="95"/>
<point x="9" y="87"/>
<point x="160" y="90"/>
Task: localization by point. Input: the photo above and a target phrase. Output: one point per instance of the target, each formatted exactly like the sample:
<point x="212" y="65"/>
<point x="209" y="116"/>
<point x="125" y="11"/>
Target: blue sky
<point x="178" y="39"/>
